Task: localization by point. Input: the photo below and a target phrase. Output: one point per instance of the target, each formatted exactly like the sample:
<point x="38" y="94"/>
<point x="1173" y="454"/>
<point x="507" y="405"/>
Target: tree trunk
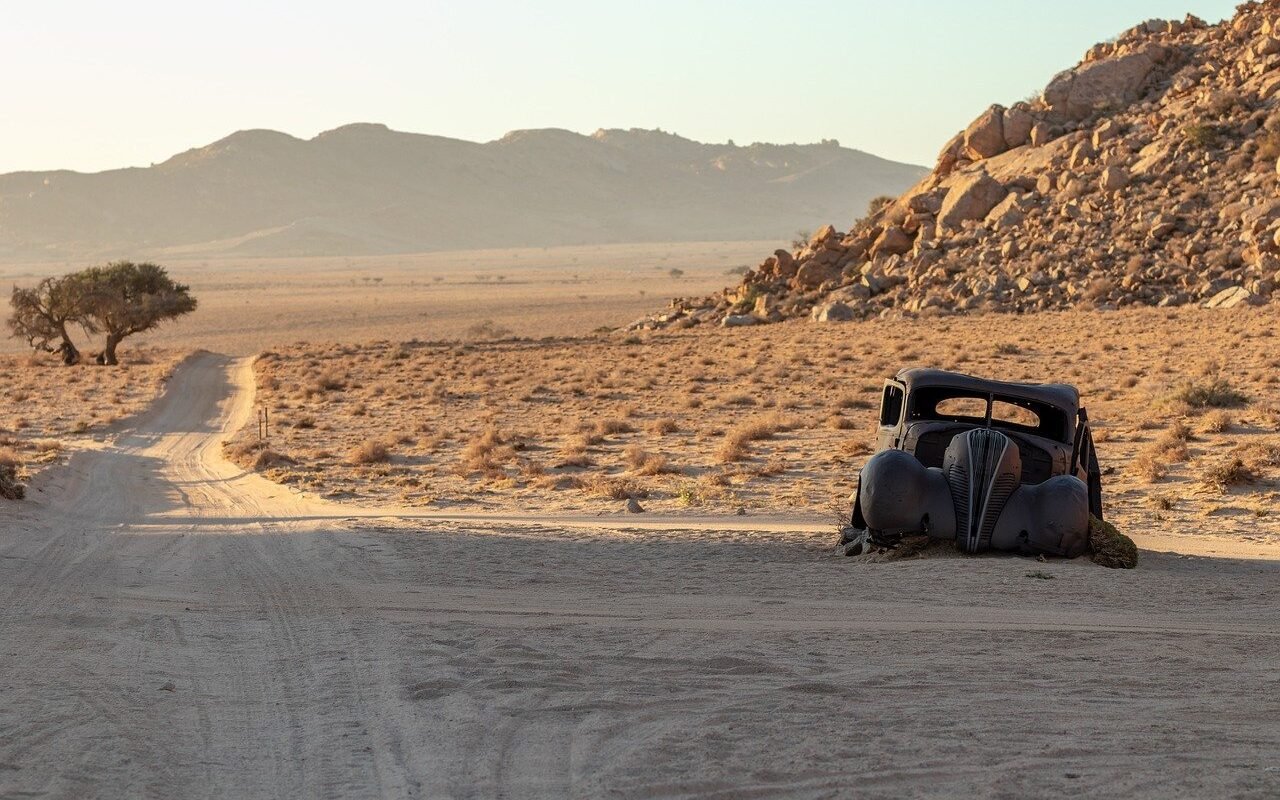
<point x="109" y="353"/>
<point x="70" y="355"/>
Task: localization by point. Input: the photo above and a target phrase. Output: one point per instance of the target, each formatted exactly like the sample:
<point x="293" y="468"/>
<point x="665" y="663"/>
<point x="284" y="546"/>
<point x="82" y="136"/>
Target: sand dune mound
<point x="1144" y="175"/>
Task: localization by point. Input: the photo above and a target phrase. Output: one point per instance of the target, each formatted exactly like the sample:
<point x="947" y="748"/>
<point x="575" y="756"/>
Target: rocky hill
<point x="364" y="189"/>
<point x="1145" y="175"/>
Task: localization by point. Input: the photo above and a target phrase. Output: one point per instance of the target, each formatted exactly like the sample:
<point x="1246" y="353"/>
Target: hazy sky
<point x="92" y="85"/>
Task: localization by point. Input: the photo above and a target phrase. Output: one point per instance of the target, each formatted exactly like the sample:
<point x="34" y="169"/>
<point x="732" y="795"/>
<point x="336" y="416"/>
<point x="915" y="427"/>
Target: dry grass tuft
<point x="609" y="427"/>
<point x="612" y="487"/>
<point x="10" y="489"/>
<point x="370" y="451"/>
<point x="734" y="447"/>
<point x="268" y="458"/>
<point x="664" y="426"/>
<point x="643" y="462"/>
<point x="1216" y="422"/>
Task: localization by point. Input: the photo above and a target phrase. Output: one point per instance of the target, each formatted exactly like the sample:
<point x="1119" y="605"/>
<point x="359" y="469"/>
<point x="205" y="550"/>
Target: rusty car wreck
<point x="990" y="465"/>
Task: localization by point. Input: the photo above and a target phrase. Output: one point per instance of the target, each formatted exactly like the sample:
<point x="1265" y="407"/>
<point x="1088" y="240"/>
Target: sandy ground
<point x="575" y="425"/>
<point x="48" y="411"/>
<point x="247" y="305"/>
<point x="174" y="627"/>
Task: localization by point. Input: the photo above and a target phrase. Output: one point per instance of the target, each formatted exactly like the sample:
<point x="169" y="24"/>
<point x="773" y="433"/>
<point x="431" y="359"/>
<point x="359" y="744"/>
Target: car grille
<point x="980" y="488"/>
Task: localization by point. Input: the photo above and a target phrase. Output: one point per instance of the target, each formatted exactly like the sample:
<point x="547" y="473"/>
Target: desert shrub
<point x="488" y="329"/>
<point x="748" y="300"/>
<point x="664" y="426"/>
<point x="487" y="451"/>
<point x="613" y="488"/>
<point x="10" y="488"/>
<point x="839" y="423"/>
<point x="1111" y="548"/>
<point x="642" y="462"/>
<point x="878" y="203"/>
<point x="1216" y="422"/>
<point x="268" y="458"/>
<point x="609" y="427"/>
<point x="1269" y="147"/>
<point x="1149" y="467"/>
<point x="1213" y="393"/>
<point x="370" y="451"/>
<point x="734" y="447"/>
<point x="1228" y="472"/>
<point x="854" y="402"/>
<point x="1201" y="135"/>
<point x="328" y="381"/>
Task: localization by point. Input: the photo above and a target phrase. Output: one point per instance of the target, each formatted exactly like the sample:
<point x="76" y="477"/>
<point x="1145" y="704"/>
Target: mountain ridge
<point x="363" y="188"/>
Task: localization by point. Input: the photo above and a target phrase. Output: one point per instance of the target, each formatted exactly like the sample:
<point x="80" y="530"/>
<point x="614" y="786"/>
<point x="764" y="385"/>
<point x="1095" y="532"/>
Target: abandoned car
<point x="987" y="464"/>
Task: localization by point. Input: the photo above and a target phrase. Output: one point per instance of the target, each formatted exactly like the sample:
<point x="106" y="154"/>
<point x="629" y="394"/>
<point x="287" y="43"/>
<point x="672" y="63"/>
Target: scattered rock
<point x="1114" y="179"/>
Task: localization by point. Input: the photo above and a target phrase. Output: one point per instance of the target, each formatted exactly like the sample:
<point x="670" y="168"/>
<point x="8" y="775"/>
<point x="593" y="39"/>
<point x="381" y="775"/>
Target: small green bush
<point x="1203" y="136"/>
<point x="1111" y="548"/>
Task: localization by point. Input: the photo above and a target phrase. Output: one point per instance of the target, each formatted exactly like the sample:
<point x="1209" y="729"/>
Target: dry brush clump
<point x="10" y="487"/>
<point x="370" y="451"/>
<point x="736" y="446"/>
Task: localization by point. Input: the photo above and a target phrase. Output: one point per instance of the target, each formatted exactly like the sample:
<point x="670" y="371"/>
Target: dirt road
<point x="172" y="627"/>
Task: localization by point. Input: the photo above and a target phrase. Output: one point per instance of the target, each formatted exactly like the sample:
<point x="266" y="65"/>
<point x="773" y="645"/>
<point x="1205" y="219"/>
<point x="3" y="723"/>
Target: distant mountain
<point x="365" y="189"/>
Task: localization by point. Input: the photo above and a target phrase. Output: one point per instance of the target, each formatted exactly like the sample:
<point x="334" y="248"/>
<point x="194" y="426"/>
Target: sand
<point x="252" y="304"/>
<point x="173" y="626"/>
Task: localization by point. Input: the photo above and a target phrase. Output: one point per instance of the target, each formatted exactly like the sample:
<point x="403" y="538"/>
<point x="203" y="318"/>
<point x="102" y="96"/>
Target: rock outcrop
<point x="1148" y="174"/>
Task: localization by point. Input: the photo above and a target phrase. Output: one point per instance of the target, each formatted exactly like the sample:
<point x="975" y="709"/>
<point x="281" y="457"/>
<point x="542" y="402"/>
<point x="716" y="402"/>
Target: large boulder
<point x="1017" y="126"/>
<point x="1234" y="296"/>
<point x="971" y="197"/>
<point x="1109" y="83"/>
<point x="894" y="241"/>
<point x="984" y="137"/>
<point x="813" y="274"/>
<point x="833" y="312"/>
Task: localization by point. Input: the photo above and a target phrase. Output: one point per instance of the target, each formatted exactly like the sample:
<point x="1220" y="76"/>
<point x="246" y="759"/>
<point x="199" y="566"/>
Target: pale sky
<point x="91" y="85"/>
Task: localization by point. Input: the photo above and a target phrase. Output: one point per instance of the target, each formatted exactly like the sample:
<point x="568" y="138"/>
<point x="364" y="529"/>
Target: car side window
<point x="891" y="406"/>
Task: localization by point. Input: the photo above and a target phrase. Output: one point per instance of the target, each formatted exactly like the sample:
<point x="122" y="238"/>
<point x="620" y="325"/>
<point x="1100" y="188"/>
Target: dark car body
<point x="995" y="464"/>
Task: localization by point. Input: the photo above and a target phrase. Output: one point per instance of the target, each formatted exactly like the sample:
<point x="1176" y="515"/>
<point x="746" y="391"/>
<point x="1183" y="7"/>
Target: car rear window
<point x="1012" y="413"/>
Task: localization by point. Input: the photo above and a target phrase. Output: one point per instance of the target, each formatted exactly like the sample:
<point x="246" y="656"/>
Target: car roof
<point x="1060" y="395"/>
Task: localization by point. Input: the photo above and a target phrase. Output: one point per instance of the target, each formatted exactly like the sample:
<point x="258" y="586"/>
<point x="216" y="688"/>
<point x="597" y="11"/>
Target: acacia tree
<point x="42" y="315"/>
<point x="124" y="298"/>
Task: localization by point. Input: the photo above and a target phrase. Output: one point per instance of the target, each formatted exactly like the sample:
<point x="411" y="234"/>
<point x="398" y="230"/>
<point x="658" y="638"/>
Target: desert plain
<point x="424" y="582"/>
